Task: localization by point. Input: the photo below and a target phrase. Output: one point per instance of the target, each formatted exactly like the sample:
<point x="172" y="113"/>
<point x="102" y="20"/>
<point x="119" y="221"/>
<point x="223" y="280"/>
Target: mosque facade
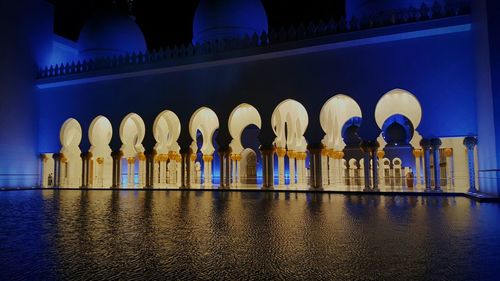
<point x="397" y="95"/>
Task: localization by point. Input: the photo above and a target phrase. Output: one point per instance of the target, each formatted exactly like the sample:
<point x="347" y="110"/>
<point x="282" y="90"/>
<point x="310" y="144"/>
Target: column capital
<point x="435" y="143"/>
<point x="281" y="151"/>
<point x="470" y="142"/>
<point x="117" y="154"/>
<point x="380" y="153"/>
<point x="417" y="152"/>
<point x="425" y="144"/>
<point x="207" y="157"/>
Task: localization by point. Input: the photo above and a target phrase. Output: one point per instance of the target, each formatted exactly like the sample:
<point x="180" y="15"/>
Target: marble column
<point x="192" y="172"/>
<point x="374" y="147"/>
<point x="142" y="169"/>
<point x="116" y="176"/>
<point x="131" y="171"/>
<point x="426" y="145"/>
<point x="436" y="144"/>
<point x="291" y="166"/>
<point x="316" y="165"/>
<point x="207" y="170"/>
<point x="267" y="152"/>
<point x="281" y="152"/>
<point x="470" y="143"/>
<point x="223" y="167"/>
<point x="417" y="153"/>
<point x="448" y="153"/>
<point x="366" y="147"/>
<point x="324" y="167"/>
<point x="380" y="155"/>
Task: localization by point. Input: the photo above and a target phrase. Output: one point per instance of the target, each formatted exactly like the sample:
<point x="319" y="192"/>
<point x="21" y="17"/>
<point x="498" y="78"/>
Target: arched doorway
<point x="206" y="122"/>
<point x="167" y="165"/>
<point x="241" y="118"/>
<point x="100" y="162"/>
<point x="289" y="122"/>
<point x="132" y="131"/>
<point x="71" y="162"/>
<point x="340" y="118"/>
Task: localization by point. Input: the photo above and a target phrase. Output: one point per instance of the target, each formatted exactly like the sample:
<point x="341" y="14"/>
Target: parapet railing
<point x="283" y="35"/>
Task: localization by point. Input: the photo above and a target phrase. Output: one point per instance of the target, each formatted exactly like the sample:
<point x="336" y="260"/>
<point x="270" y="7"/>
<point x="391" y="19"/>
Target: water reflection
<point x="244" y="235"/>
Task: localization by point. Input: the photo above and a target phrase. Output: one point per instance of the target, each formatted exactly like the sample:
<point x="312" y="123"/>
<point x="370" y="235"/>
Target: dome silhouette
<point x="222" y="19"/>
<point x="110" y="33"/>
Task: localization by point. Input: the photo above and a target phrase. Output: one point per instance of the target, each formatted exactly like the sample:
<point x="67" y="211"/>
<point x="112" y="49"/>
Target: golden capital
<point x="193" y="157"/>
<point x="380" y="154"/>
<point x="281" y="151"/>
<point x="448" y="152"/>
<point x="100" y="160"/>
<point x="291" y="154"/>
<point x="131" y="160"/>
<point x="207" y="158"/>
<point x="141" y="156"/>
<point x="417" y="152"/>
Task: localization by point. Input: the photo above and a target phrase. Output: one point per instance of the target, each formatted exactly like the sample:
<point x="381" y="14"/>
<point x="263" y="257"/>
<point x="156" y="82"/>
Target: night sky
<point x="167" y="25"/>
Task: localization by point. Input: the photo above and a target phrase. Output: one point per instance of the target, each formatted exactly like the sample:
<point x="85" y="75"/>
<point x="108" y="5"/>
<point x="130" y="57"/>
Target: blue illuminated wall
<point x="26" y="30"/>
<point x="487" y="45"/>
<point x="437" y="69"/>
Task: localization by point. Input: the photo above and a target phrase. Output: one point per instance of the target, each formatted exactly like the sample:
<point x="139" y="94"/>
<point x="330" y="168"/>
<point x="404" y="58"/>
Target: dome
<point x="110" y="33"/>
<point x="220" y="19"/>
<point x="360" y="8"/>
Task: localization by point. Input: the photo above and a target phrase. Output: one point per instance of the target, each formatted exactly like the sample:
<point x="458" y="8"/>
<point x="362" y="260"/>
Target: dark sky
<point x="170" y="24"/>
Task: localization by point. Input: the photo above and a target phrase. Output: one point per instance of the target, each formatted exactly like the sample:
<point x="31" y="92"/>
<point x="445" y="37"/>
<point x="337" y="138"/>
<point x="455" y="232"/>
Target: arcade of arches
<point x="400" y="159"/>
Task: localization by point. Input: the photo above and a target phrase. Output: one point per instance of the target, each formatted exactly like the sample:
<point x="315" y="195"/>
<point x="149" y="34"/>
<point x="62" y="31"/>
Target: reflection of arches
<point x="166" y="131"/>
<point x="248" y="170"/>
<point x="71" y="162"/>
<point x="101" y="163"/>
<point x="206" y="122"/>
<point x="289" y="122"/>
<point x="399" y="102"/>
<point x="132" y="131"/>
<point x="243" y="116"/>
<point x="337" y="113"/>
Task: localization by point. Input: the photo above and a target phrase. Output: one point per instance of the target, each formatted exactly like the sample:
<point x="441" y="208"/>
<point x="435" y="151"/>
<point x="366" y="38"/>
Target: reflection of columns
<point x="316" y="165"/>
<point x="281" y="152"/>
<point x="418" y="156"/>
<point x="291" y="166"/>
<point x="448" y="153"/>
<point x="267" y="152"/>
<point x="142" y="169"/>
<point x="374" y="147"/>
<point x="365" y="146"/>
<point x="324" y="167"/>
<point x="426" y="145"/>
<point x="207" y="170"/>
<point x="470" y="143"/>
<point x="436" y="143"/>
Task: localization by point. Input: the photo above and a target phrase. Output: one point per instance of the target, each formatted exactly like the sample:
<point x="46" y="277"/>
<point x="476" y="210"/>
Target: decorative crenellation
<point x="176" y="54"/>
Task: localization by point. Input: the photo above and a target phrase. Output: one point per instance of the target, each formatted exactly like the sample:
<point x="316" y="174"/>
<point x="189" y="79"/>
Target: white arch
<point x="333" y="115"/>
<point x="398" y="101"/>
<point x="294" y="115"/>
<point x="70" y="134"/>
<point x="100" y="132"/>
<point x="402" y="102"/>
<point x="71" y="166"/>
<point x="166" y="131"/>
<point x="132" y="131"/>
<point x="205" y="120"/>
<point x="241" y="117"/>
